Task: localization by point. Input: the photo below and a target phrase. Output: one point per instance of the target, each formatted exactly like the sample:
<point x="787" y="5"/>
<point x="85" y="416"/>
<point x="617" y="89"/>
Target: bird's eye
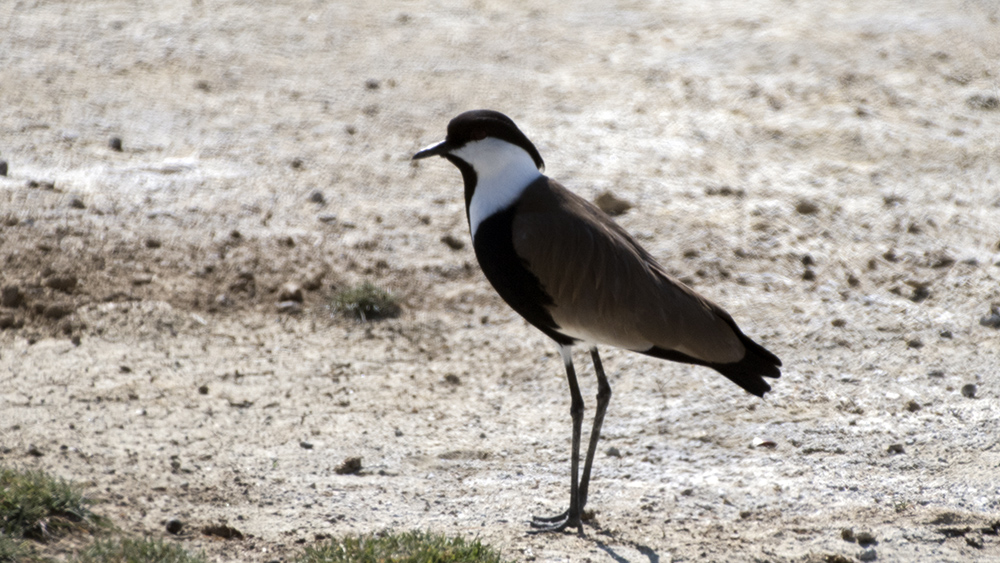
<point x="478" y="134"/>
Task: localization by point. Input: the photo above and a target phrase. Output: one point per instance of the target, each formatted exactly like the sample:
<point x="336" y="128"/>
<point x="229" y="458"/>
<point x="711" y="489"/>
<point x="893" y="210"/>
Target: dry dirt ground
<point x="829" y="172"/>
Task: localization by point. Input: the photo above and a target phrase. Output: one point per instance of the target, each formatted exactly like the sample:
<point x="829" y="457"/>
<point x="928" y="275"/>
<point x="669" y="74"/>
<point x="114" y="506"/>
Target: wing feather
<point x="607" y="289"/>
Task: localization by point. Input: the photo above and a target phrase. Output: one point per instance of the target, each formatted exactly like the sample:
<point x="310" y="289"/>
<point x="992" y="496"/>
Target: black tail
<point x="748" y="373"/>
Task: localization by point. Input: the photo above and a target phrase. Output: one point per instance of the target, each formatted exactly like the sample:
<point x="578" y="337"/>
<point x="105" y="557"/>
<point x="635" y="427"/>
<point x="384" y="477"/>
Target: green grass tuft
<point x="405" y="547"/>
<point x="15" y="551"/>
<point x="367" y="302"/>
<point x="125" y="550"/>
<point x="34" y="505"/>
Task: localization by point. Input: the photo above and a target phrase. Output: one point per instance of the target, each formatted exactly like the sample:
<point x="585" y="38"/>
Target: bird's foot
<point x="557" y="523"/>
<point x="556" y="518"/>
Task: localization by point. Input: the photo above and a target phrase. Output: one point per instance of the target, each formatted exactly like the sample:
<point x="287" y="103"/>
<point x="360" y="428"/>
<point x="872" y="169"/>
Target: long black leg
<point x="603" y="398"/>
<point x="570" y="518"/>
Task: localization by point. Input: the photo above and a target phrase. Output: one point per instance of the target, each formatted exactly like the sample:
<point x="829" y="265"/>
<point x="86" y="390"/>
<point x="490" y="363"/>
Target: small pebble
<point x="115" y="144"/>
<point x="969" y="390"/>
<point x="174" y="526"/>
<point x="327" y="218"/>
<point x="317" y="197"/>
<point x="305" y="445"/>
<point x="11" y="296"/>
<point x="153" y="243"/>
<point x="913" y="406"/>
<point x="203" y="390"/>
<point x="452" y="242"/>
<point x="915" y="343"/>
<point x="868" y="555"/>
<point x="847" y="534"/>
<point x="984" y="102"/>
<point x="920" y="293"/>
<point x="725" y="191"/>
<point x="893" y="449"/>
<point x="613" y="452"/>
<point x="41" y="185"/>
<point x="372" y="84"/>
<point x="612" y="204"/>
<point x="313" y="279"/>
<point x="866" y="538"/>
<point x="993" y="319"/>
<point x="350" y="466"/>
<point x="398" y="432"/>
<point x="57" y="311"/>
<point x="77" y="203"/>
<point x="3" y="167"/>
<point x="806" y="207"/>
<point x="838" y="322"/>
<point x="290" y="291"/>
<point x="65" y="283"/>
<point x="808" y="275"/>
<point x="296" y="163"/>
<point x="764" y="443"/>
<point x="222" y="531"/>
<point x="942" y="261"/>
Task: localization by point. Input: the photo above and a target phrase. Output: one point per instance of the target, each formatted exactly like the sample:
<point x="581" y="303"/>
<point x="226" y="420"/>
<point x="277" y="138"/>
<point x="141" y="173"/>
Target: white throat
<point x="503" y="171"/>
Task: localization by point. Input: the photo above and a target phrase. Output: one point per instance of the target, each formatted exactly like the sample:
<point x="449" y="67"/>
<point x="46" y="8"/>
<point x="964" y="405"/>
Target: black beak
<point x="439" y="149"/>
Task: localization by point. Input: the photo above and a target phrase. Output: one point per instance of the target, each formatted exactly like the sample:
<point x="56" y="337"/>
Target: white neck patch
<point x="503" y="171"/>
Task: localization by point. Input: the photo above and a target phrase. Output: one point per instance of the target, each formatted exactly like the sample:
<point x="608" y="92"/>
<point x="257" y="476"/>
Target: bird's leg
<point x="570" y="518"/>
<point x="603" y="398"/>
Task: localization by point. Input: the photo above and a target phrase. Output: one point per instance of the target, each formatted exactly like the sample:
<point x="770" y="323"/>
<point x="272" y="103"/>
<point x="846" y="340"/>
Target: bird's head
<point x="487" y="141"/>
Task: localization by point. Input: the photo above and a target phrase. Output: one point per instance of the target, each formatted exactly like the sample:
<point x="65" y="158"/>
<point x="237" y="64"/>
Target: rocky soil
<point x="829" y="172"/>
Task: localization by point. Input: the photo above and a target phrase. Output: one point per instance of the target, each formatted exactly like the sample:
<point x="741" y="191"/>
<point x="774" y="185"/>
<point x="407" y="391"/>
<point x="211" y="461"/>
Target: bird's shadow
<point x="645" y="550"/>
<point x="651" y="555"/>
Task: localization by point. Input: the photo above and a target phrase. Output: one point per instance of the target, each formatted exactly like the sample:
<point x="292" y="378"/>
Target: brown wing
<point x="607" y="289"/>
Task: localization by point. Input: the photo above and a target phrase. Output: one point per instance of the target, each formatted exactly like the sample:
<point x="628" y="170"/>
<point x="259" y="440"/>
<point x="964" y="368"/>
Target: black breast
<point x="494" y="246"/>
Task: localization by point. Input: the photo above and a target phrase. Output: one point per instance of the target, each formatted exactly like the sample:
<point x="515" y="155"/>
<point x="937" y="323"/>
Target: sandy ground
<point x="829" y="172"/>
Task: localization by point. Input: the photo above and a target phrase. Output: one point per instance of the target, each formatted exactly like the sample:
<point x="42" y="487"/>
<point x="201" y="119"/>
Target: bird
<point x="581" y="279"/>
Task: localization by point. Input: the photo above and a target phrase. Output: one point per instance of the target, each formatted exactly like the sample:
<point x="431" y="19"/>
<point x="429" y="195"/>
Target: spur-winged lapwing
<point x="577" y="276"/>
